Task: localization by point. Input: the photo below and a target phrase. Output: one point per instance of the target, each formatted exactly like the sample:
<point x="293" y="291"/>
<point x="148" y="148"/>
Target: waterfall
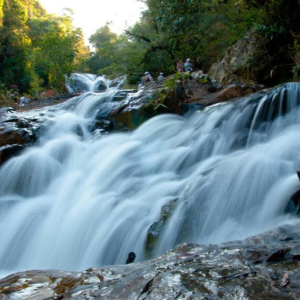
<point x="75" y="201"/>
<point x="86" y="82"/>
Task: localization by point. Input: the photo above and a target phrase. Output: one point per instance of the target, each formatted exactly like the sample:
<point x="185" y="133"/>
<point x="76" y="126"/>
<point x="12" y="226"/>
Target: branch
<point x="138" y="36"/>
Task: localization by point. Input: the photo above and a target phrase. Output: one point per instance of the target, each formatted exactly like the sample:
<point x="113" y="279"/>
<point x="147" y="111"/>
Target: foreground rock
<point x="262" y="267"/>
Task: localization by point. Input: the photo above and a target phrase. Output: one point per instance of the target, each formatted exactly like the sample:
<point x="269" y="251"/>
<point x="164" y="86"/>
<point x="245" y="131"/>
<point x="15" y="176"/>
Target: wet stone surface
<point x="237" y="270"/>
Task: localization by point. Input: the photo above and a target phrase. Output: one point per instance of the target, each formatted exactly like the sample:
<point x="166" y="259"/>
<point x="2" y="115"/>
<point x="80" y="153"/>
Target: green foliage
<point x="203" y="80"/>
<point x="2" y="88"/>
<point x="36" y="49"/>
<point x="279" y="31"/>
<point x="171" y="83"/>
<point x="270" y="32"/>
<point x="168" y="31"/>
<point x="296" y="59"/>
<point x="55" y="57"/>
<point x="169" y="89"/>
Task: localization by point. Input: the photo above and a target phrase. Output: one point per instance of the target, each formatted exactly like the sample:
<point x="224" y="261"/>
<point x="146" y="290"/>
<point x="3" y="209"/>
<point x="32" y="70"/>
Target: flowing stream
<point x="75" y="201"/>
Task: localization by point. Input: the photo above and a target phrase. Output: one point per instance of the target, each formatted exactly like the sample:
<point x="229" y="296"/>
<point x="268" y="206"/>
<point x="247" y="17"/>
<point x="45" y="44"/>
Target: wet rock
<point x="116" y="82"/>
<point x="131" y="257"/>
<point x="298" y="173"/>
<point x="156" y="228"/>
<point x="10" y="137"/>
<point x="17" y="132"/>
<point x="231" y="92"/>
<point x="122" y="94"/>
<point x="132" y="114"/>
<point x="278" y="255"/>
<point x="79" y="130"/>
<point x="101" y="87"/>
<point x="295" y="253"/>
<point x="22" y="123"/>
<point x="285" y="279"/>
<point x="9" y="151"/>
<point x="293" y="205"/>
<point x="188" y="271"/>
<point x="104" y="124"/>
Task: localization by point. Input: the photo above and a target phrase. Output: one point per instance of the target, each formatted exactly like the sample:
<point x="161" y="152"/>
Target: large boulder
<point x="238" y="63"/>
<point x="17" y="132"/>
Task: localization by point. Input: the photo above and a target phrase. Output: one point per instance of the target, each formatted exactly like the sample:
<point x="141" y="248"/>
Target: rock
<point x="235" y="65"/>
<point x="231" y="92"/>
<point x="298" y="173"/>
<point x="156" y="228"/>
<point x="131" y="258"/>
<point x="17" y="132"/>
<point x="295" y="252"/>
<point x="293" y="205"/>
<point x="11" y="137"/>
<point x="285" y="279"/>
<point x="122" y="94"/>
<point x="197" y="75"/>
<point x="278" y="255"/>
<point x="188" y="271"/>
<point x="104" y="124"/>
<point x="8" y="151"/>
<point x="101" y="87"/>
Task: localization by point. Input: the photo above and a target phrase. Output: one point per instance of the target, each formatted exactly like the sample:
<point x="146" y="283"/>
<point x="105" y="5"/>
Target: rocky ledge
<point x="262" y="267"/>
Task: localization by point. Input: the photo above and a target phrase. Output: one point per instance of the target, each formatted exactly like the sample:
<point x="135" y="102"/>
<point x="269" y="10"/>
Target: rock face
<point x="262" y="267"/>
<point x="16" y="132"/>
<point x="237" y="63"/>
<point x="156" y="228"/>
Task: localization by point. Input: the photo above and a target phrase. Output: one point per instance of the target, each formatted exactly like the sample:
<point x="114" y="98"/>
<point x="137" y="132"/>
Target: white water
<point x="74" y="202"/>
<point x="85" y="82"/>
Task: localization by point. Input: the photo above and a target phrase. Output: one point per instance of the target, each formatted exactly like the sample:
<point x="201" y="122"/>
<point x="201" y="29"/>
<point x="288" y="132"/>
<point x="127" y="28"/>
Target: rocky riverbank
<point x="45" y="101"/>
<point x="258" y="268"/>
<point x="128" y="110"/>
<point x="261" y="267"/>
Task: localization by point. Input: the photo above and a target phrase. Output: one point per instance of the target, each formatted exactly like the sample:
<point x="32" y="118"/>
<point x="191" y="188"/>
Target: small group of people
<point x="180" y="67"/>
<point x="149" y="79"/>
<point x="187" y="66"/>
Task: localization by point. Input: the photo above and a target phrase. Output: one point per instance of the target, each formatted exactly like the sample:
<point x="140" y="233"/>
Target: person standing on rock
<point x="160" y="78"/>
<point x="187" y="65"/>
<point x="197" y="64"/>
<point x="148" y="76"/>
<point x="179" y="66"/>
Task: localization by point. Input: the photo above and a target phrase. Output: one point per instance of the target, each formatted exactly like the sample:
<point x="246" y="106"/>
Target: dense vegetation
<point x="37" y="49"/>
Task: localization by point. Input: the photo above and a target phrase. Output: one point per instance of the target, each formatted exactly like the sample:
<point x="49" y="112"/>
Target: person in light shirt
<point x="148" y="77"/>
<point x="187" y="65"/>
<point x="160" y="77"/>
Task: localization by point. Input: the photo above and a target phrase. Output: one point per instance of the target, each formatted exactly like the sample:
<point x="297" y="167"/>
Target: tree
<point x="37" y="48"/>
<point x="189" y="28"/>
<point x="104" y="42"/>
<point x="1" y="12"/>
<point x="280" y="36"/>
<point x="14" y="43"/>
<point x="55" y="49"/>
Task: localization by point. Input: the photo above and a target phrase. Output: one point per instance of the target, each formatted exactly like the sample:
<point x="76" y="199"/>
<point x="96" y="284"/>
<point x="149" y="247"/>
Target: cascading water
<point x="74" y="201"/>
<point x="86" y="82"/>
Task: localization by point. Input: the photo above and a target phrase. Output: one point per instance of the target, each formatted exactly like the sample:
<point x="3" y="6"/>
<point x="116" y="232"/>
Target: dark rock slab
<point x="236" y="270"/>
